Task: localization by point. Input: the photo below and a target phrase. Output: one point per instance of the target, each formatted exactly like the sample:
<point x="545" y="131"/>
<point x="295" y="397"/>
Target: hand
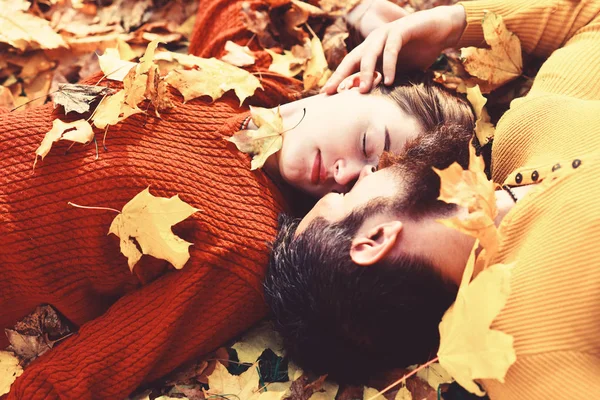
<point x="372" y="14"/>
<point x="414" y="41"/>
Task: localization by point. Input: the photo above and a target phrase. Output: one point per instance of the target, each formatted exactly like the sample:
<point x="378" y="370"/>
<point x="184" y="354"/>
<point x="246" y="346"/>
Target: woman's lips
<point x="315" y="175"/>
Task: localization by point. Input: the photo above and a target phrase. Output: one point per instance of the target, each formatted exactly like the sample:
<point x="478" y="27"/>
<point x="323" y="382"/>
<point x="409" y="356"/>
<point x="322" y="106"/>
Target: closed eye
<point x="365" y="145"/>
<point x="387" y="144"/>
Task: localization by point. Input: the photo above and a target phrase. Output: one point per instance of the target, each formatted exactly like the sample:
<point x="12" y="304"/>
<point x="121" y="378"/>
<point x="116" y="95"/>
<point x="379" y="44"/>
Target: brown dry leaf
<point x="264" y="141"/>
<point x="79" y="131"/>
<point x="113" y="66"/>
<point x="302" y="389"/>
<point x="240" y="56"/>
<point x="471" y="190"/>
<point x="6" y="98"/>
<point x="146" y="222"/>
<point x="501" y="63"/>
<point x="10" y="370"/>
<point x="126" y="13"/>
<point x="22" y="30"/>
<point x="37" y="333"/>
<point x="137" y="81"/>
<point x="78" y="98"/>
<point x="214" y="78"/>
<point x="334" y="44"/>
<point x="286" y="64"/>
<point x="112" y="110"/>
<point x="484" y="129"/>
<point x="469" y="349"/>
<point x="289" y="24"/>
<point x="338" y="8"/>
<point x="317" y="71"/>
<point x="34" y="93"/>
<point x="31" y="63"/>
<point x="258" y="22"/>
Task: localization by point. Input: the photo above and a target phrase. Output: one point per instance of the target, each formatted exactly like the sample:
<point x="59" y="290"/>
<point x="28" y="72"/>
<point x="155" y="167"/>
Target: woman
<point x="134" y="328"/>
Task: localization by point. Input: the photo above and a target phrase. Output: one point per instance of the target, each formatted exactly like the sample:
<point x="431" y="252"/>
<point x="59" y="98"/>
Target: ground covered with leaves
<point x="143" y="44"/>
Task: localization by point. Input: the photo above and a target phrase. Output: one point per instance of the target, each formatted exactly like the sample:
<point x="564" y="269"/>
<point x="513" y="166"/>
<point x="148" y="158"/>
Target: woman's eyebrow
<point x="387" y="145"/>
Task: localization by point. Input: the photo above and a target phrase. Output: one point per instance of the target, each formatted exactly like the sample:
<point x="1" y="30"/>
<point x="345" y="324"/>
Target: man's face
<point x="334" y="207"/>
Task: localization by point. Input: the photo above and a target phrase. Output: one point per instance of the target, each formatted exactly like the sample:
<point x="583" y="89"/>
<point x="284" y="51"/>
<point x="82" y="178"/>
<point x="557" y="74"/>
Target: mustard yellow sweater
<point x="551" y="136"/>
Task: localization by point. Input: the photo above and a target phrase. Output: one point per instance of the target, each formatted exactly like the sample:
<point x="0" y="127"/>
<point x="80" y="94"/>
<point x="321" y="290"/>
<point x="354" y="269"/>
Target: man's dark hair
<point x="350" y="321"/>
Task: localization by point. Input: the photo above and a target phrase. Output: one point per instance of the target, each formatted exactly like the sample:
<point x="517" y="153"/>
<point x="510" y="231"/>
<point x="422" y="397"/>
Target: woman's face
<point x="339" y="137"/>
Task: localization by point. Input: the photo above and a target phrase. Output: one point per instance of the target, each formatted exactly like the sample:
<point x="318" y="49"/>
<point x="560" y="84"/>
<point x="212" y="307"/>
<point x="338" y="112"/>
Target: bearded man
<point x="362" y="282"/>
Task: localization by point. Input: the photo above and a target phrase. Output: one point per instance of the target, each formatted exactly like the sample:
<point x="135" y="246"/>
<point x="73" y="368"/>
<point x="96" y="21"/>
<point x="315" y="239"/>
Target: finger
<point x="368" y="63"/>
<point x="347" y="67"/>
<point x="393" y="45"/>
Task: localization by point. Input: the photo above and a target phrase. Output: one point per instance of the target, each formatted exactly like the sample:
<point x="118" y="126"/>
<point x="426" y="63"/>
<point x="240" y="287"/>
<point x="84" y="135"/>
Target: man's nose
<point x="345" y="173"/>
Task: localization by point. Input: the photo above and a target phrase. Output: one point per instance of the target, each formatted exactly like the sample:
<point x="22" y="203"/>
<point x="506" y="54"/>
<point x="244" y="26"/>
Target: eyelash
<point x="365" y="145"/>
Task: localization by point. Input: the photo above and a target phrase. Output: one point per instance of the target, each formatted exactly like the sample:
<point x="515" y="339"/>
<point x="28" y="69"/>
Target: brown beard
<point x="439" y="148"/>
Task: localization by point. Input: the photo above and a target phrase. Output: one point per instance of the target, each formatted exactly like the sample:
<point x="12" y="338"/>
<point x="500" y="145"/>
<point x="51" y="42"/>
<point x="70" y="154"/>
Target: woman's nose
<point x="344" y="173"/>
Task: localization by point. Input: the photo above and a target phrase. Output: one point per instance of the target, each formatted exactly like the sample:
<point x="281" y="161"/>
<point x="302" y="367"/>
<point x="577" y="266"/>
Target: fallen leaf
<point x="243" y="386"/>
<point x="10" y="370"/>
<point x="338" y="7"/>
<point x="286" y="64"/>
<point x="79" y="131"/>
<point x="139" y="80"/>
<point x="112" y="110"/>
<point x="264" y="141"/>
<point x="214" y="78"/>
<point x="403" y="394"/>
<point x="316" y="67"/>
<point x="146" y="222"/>
<point x="78" y="98"/>
<point x="36" y="333"/>
<point x="471" y="190"/>
<point x="113" y="66"/>
<point x="370" y="392"/>
<point x="6" y="98"/>
<point x="240" y="56"/>
<point x="22" y="30"/>
<point x="34" y="93"/>
<point x="434" y="375"/>
<point x="469" y="349"/>
<point x="275" y="391"/>
<point x="258" y="22"/>
<point x="126" y="13"/>
<point x="501" y="63"/>
<point x="334" y="45"/>
<point x="252" y="345"/>
<point x="327" y="391"/>
<point x="302" y="389"/>
<point x="484" y="129"/>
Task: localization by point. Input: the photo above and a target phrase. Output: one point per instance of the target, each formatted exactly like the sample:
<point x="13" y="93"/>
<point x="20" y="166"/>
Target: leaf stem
<point x="94" y="208"/>
<point x="295" y="126"/>
<point x="405" y="377"/>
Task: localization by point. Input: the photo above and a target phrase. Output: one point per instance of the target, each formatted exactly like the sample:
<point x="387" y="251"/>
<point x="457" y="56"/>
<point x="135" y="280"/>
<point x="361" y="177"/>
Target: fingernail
<point x="388" y="80"/>
<point x="363" y="85"/>
<point x="342" y="86"/>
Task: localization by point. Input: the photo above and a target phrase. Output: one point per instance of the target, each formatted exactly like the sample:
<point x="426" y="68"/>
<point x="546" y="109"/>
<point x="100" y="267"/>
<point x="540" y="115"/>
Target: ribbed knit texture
<point x="136" y="327"/>
<point x="553" y="311"/>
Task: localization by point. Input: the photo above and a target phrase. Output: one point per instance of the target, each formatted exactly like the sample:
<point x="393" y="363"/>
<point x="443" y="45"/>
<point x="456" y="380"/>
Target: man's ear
<point x="373" y="245"/>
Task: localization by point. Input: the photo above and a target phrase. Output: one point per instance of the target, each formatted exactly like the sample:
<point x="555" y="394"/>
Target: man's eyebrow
<point x="387" y="145"/>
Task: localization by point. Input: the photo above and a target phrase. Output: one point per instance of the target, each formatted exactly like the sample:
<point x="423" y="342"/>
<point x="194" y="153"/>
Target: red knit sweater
<point x="136" y="327"/>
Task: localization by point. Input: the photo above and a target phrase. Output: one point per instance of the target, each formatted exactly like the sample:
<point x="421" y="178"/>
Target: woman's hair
<point x="430" y="103"/>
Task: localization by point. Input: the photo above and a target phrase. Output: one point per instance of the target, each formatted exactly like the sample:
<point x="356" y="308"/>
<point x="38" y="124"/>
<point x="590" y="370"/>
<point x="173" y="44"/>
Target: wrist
<point x="458" y="21"/>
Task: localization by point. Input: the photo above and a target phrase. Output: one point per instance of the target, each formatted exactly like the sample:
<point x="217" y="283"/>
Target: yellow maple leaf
<point x="469" y="349"/>
<point x="484" y="129"/>
<point x="146" y="222"/>
<point x="434" y="375"/>
<point x="239" y="56"/>
<point x="256" y="341"/>
<point x="10" y="370"/>
<point x="112" y="110"/>
<point x="213" y="79"/>
<point x="113" y="66"/>
<point x="79" y="131"/>
<point x="21" y="29"/>
<point x="264" y="141"/>
<point x="286" y="64"/>
<point x="471" y="190"/>
<point x="501" y="63"/>
<point x="138" y="81"/>
<point x="317" y="71"/>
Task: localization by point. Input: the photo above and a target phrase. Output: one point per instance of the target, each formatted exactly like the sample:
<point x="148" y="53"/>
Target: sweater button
<point x="555" y="167"/>
<point x="534" y="176"/>
<point x="519" y="178"/>
<point x="576" y="163"/>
